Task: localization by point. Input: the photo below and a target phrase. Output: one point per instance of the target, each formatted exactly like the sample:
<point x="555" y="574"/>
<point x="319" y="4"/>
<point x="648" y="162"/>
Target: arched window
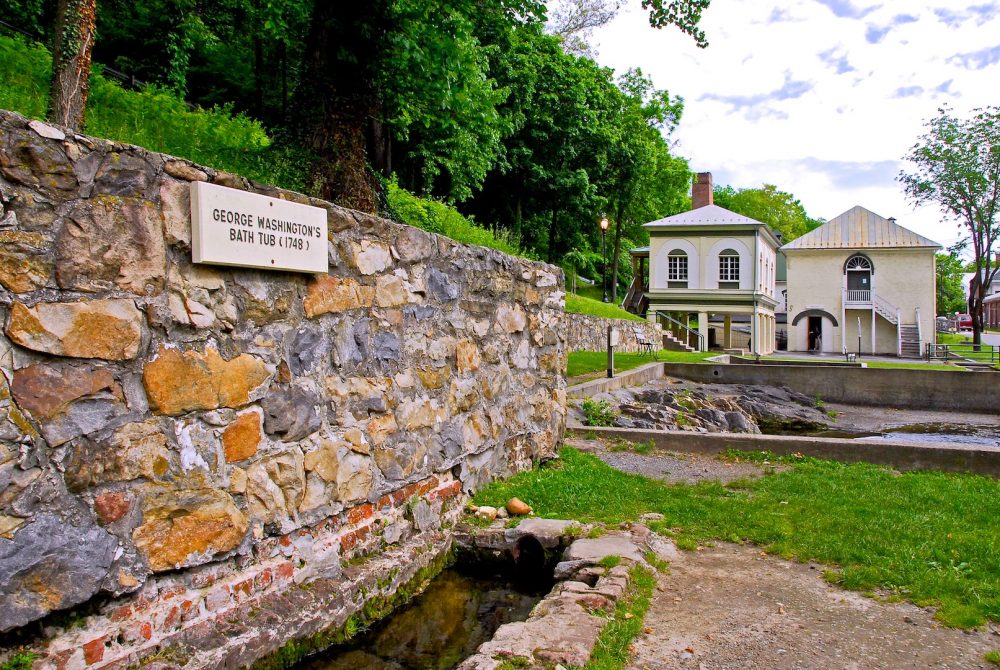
<point x="729" y="269"/>
<point x="677" y="269"/>
<point x="859" y="271"/>
<point x="858" y="262"/>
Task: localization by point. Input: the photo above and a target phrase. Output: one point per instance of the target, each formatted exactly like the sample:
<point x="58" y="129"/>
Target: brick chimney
<point x="701" y="191"/>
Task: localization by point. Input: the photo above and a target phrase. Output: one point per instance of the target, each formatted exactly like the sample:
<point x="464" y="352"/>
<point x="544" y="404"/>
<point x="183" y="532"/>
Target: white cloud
<point x="820" y="97"/>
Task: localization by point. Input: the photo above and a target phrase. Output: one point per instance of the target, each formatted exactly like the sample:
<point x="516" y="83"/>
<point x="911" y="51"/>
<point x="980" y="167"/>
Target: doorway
<point x="815" y="333"/>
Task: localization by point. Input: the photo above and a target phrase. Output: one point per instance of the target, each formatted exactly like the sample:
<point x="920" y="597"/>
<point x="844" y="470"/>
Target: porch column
<point x="754" y="332"/>
<point x="873" y="324"/>
<point x="727" y="331"/>
<point x="703" y="330"/>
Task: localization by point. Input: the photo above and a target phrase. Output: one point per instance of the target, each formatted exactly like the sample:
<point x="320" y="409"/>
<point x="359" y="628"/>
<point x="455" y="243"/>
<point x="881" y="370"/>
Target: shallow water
<point x="927" y="433"/>
<point x="439" y="629"/>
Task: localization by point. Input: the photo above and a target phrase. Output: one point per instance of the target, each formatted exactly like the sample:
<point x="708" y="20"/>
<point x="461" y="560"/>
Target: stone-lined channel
<point x="461" y="609"/>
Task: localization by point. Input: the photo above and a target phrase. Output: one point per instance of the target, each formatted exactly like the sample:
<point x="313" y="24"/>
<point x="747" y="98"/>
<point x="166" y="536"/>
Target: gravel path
<point x="673" y="468"/>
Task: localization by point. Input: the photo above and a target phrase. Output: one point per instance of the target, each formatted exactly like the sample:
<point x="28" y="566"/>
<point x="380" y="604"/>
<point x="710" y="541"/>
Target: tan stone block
<point x="335" y="294"/>
<point x="419" y="413"/>
<point x="181" y="528"/>
<point x="238" y="480"/>
<point x="185" y="171"/>
<point x="463" y="394"/>
<point x="370" y="256"/>
<point x="356" y="439"/>
<point x="109" y="242"/>
<point x="391" y="291"/>
<point x="324" y="461"/>
<point x="178" y="382"/>
<point x="380" y="428"/>
<point x="354" y="477"/>
<point x="241" y="438"/>
<point x="23" y="266"/>
<point x="467" y="357"/>
<point x="511" y="319"/>
<point x="108" y="329"/>
<point x="276" y="486"/>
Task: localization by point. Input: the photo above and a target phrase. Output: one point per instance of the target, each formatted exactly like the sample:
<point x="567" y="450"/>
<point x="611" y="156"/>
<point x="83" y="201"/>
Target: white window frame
<point x="675" y="265"/>
<point x="729" y="266"/>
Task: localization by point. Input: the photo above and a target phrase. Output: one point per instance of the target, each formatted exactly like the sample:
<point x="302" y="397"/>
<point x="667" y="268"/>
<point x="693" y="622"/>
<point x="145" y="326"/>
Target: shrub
<point x="599" y="412"/>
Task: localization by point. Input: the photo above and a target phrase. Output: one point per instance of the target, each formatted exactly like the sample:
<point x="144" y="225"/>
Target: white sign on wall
<point x="233" y="227"/>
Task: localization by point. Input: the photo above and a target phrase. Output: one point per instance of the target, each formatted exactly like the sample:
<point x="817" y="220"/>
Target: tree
<point x="74" y="40"/>
<point x="780" y="210"/>
<point x="957" y="167"/>
<point x="950" y="297"/>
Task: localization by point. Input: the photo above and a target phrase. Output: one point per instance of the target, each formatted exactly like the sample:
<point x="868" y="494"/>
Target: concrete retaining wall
<point x="182" y="445"/>
<point x="634" y="377"/>
<point x="900" y="455"/>
<point x="916" y="389"/>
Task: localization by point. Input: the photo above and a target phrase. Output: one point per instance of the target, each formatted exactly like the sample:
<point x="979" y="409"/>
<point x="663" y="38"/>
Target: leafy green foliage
<point x="438" y="217"/>
<point x="598" y="412"/>
<point x="22" y="660"/>
<point x="927" y="537"/>
<point x="993" y="657"/>
<point x="780" y="210"/>
<point x="956" y="166"/>
<point x="950" y="296"/>
<point x="154" y="118"/>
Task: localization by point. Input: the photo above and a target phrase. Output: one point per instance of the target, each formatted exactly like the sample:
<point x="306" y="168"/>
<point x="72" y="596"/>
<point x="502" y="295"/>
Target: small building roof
<point x="703" y="215"/>
<point x="859" y="228"/>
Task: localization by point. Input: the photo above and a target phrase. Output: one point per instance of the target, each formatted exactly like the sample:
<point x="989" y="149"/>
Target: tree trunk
<point x="616" y="253"/>
<point x="74" y="40"/>
<point x="283" y="59"/>
<point x="332" y="106"/>
<point x="552" y="235"/>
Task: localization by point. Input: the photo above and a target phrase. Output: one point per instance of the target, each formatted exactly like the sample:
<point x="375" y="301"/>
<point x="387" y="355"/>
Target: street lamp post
<point x="604" y="255"/>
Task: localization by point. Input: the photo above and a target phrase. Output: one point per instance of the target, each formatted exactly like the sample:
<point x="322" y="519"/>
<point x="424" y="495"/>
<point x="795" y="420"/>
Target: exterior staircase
<point x="672" y="343"/>
<point x="909" y="341"/>
<point x="886" y="310"/>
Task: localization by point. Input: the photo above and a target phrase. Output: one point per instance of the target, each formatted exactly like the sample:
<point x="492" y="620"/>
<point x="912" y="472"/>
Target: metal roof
<point x="703" y="215"/>
<point x="859" y="228"/>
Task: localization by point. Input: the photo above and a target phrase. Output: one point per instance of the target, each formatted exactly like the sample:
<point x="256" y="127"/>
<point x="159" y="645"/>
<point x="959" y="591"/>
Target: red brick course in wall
<point x="213" y="595"/>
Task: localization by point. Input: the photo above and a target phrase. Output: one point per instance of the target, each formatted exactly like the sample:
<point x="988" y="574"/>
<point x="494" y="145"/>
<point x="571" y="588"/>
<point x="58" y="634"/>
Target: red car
<point x="963" y="321"/>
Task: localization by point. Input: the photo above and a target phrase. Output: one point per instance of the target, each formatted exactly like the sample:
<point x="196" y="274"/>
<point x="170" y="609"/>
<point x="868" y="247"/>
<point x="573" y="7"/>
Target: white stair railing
<point x="899" y="335"/>
<point x="886" y="309"/>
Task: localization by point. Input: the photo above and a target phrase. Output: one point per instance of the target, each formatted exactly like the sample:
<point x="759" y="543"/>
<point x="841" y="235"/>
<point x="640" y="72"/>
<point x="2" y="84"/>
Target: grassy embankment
<point x="158" y="120"/>
<point x="927" y="537"/>
<point x="585" y="362"/>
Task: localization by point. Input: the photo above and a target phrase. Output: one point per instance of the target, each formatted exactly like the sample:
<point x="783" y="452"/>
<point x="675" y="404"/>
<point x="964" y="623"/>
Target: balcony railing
<point x="853" y="295"/>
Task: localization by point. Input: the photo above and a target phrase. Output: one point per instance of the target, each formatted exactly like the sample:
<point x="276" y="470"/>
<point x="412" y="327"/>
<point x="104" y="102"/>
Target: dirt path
<point x="673" y="468"/>
<point x="729" y="607"/>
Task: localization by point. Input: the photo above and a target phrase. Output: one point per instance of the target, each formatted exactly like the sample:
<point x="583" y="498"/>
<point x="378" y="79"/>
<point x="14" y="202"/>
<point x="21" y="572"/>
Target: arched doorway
<point x="859" y="269"/>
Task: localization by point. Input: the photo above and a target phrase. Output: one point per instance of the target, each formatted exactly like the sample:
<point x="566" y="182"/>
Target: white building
<point x="861" y="282"/>
<point x="709" y="264"/>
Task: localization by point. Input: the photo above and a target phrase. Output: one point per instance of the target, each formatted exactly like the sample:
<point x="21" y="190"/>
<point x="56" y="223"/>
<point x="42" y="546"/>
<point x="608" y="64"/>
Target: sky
<point x="822" y="98"/>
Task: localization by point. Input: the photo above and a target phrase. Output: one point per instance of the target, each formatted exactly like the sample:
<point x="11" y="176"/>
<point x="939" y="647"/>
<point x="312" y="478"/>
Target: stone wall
<point x="590" y="333"/>
<point x="190" y="454"/>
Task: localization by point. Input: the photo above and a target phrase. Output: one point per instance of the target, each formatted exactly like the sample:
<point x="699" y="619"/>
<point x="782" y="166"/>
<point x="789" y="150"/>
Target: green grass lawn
<point x="928" y="537"/>
<point x="953" y="338"/>
<point x="584" y="362"/>
<point x="581" y="305"/>
<point x="886" y="365"/>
